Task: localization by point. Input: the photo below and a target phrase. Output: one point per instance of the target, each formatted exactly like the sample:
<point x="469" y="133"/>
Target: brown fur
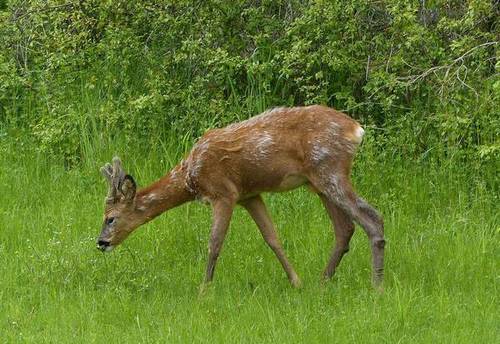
<point x="278" y="150"/>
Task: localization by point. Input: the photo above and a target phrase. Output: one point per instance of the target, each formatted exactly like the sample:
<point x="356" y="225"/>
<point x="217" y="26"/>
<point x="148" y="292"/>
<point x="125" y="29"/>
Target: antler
<point x="114" y="175"/>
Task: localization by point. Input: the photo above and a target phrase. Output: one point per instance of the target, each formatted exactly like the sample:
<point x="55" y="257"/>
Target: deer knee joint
<point x="213" y="249"/>
<point x="378" y="243"/>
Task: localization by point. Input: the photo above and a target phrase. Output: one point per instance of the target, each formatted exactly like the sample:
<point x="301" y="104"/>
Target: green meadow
<point x="442" y="260"/>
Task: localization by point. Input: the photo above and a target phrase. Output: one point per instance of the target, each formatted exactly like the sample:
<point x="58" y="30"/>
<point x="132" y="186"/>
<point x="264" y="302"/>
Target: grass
<point x="442" y="257"/>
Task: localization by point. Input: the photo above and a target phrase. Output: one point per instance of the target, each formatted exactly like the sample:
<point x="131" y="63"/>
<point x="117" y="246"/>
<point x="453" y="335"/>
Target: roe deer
<point x="279" y="150"/>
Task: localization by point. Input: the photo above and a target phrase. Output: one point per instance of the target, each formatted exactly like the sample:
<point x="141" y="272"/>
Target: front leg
<point x="257" y="209"/>
<point x="222" y="211"/>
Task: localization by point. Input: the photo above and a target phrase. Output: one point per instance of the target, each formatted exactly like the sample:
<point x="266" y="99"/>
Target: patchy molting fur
<point x="263" y="143"/>
<point x="319" y="152"/>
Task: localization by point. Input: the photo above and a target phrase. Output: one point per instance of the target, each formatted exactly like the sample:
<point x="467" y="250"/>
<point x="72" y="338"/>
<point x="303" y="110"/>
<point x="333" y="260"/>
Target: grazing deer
<point x="279" y="150"/>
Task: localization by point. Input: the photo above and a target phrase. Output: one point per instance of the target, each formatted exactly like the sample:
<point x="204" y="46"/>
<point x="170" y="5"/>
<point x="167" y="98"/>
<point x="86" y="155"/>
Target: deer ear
<point x="128" y="187"/>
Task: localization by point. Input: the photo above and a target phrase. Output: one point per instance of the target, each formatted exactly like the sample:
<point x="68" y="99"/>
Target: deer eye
<point x="110" y="220"/>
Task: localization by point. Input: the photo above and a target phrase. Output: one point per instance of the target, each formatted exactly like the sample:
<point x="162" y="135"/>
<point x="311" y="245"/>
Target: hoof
<point x="202" y="291"/>
<point x="296" y="282"/>
<point x="379" y="288"/>
<point x="325" y="276"/>
<point x="378" y="285"/>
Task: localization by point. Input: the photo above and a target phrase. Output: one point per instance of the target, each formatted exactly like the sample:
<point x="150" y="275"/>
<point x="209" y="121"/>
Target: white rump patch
<point x="358" y="134"/>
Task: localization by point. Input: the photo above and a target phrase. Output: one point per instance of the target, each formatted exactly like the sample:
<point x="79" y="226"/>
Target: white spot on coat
<point x="334" y="127"/>
<point x="319" y="153"/>
<point x="263" y="143"/>
<point x="151" y="197"/>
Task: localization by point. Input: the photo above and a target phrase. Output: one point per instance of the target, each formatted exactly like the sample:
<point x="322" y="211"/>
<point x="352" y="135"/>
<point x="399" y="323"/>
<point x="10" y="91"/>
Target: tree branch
<point x="411" y="79"/>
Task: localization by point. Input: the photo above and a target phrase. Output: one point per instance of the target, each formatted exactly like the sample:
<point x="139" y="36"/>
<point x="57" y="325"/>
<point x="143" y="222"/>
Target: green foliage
<point x="424" y="73"/>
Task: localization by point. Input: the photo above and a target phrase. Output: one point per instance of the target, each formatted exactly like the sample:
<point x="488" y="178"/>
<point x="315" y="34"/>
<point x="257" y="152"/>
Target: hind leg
<point x="344" y="229"/>
<point x="338" y="190"/>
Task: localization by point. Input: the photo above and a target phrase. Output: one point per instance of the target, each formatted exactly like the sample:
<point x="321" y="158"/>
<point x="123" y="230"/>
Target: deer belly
<point x="290" y="182"/>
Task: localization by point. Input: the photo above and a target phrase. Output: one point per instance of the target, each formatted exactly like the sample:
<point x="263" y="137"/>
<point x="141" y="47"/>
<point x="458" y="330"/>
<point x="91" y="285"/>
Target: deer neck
<point x="168" y="192"/>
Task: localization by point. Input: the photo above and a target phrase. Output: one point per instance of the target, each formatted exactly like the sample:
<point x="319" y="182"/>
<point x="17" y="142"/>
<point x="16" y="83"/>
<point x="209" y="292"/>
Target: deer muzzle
<point x="104" y="246"/>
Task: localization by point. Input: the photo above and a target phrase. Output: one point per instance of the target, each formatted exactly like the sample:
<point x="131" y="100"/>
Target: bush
<point x="423" y="76"/>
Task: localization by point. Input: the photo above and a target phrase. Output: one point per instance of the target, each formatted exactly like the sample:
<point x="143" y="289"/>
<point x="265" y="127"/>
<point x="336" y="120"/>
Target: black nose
<point x="101" y="244"/>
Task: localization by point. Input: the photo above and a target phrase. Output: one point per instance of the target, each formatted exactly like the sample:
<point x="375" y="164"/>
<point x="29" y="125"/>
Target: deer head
<point x="120" y="211"/>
